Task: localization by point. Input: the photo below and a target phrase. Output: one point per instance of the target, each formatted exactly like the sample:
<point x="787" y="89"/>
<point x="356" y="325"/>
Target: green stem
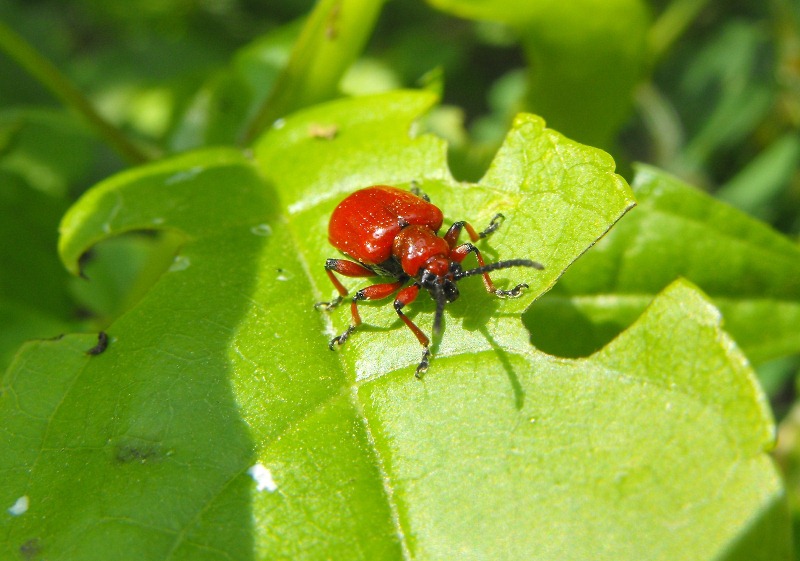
<point x="332" y="37"/>
<point x="59" y="85"/>
<point x="671" y="24"/>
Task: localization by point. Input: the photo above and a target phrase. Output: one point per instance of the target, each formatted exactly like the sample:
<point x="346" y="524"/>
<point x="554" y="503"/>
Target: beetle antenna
<point x="499" y="265"/>
<point x="440" y="302"/>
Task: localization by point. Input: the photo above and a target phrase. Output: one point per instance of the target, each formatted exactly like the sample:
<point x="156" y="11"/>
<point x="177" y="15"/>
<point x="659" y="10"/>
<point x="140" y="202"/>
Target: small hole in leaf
<point x="118" y="271"/>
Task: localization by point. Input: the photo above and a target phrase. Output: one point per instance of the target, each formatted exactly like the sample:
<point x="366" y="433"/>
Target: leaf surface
<point x="751" y="272"/>
<point x="653" y="454"/>
<point x="217" y="424"/>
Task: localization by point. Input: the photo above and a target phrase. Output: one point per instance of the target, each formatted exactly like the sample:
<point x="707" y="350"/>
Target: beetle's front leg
<point x="346" y="268"/>
<point x="373" y="292"/>
<point x="459" y="253"/>
<point x="405" y="297"/>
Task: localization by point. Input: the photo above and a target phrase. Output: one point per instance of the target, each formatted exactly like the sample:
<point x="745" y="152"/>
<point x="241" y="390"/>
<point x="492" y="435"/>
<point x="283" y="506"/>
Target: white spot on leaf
<point x="20" y="507"/>
<point x="262" y="230"/>
<point x="263" y="478"/>
<point x="180" y="263"/>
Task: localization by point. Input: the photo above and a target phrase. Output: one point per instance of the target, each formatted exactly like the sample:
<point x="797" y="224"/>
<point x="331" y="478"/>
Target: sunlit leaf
<point x="751" y="272"/>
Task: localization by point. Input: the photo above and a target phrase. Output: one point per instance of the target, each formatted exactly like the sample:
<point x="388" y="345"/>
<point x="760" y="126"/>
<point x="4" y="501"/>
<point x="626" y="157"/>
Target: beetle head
<point x="444" y="284"/>
<point x="440" y="275"/>
<point x="440" y="281"/>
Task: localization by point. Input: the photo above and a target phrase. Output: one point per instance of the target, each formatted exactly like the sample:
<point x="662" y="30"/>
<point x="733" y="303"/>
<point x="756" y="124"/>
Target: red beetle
<point x="393" y="233"/>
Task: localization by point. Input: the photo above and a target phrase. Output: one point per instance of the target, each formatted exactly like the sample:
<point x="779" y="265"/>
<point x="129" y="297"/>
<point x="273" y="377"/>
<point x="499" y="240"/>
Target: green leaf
<point x="546" y="186"/>
<point x="331" y="40"/>
<point x="213" y="346"/>
<point x="599" y="451"/>
<point x="570" y="54"/>
<point x="30" y="275"/>
<point x="751" y="272"/>
<point x="43" y="155"/>
<point x="48" y="150"/>
<point x="217" y="424"/>
<point x="726" y="93"/>
<point x="117" y="272"/>
<point x="222" y="108"/>
<point x="755" y="188"/>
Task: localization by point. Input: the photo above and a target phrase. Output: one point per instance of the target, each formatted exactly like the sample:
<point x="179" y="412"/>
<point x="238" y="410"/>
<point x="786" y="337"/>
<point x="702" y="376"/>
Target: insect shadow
<point x="477" y="317"/>
<point x="513" y="379"/>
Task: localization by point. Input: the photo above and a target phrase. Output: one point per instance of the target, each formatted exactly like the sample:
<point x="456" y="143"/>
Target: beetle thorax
<point x="418" y="247"/>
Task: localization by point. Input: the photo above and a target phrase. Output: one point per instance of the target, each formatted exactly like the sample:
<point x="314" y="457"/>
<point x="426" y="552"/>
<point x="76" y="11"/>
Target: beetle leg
<point x="419" y="192"/>
<point x="494" y="224"/>
<point x="451" y="236"/>
<point x="404" y="297"/>
<point x="459" y="253"/>
<point x="373" y="292"/>
<point x="424" y="363"/>
<point x="346" y="268"/>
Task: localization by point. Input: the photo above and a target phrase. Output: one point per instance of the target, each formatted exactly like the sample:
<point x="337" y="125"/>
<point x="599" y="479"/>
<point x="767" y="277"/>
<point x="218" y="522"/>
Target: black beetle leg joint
<point x="419" y="192"/>
<point x="340" y="339"/>
<point x="494" y="224"/>
<point x="424" y="363"/>
<point x="328" y="305"/>
<point x="513" y="293"/>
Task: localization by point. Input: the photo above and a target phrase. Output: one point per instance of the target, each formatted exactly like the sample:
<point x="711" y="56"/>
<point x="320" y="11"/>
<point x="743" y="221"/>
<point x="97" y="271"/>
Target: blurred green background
<point x="716" y="99"/>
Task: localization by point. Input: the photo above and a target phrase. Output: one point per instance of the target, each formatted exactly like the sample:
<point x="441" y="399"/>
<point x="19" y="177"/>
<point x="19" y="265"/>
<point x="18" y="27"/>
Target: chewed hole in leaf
<point x="118" y="271"/>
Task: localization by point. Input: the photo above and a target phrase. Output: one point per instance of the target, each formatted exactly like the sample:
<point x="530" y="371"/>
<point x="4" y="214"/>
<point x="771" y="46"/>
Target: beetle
<point x="393" y="233"/>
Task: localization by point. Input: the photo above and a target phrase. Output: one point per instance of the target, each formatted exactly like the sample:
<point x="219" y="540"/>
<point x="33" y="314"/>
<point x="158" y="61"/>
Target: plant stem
<point x="332" y="37"/>
<point x="60" y="86"/>
<point x="671" y="24"/>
